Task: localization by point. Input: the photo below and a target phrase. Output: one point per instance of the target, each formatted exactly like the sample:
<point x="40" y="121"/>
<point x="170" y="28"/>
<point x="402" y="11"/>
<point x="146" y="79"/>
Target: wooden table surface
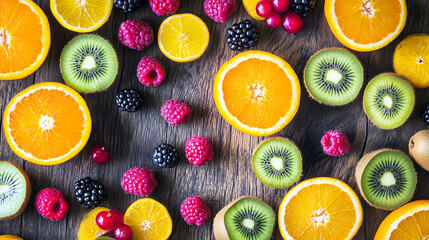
<point x="131" y="137"/>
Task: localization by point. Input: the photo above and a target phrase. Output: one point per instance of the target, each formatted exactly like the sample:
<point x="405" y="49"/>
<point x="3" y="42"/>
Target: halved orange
<point x="47" y="123"/>
<point x="88" y="229"/>
<point x="366" y="25"/>
<point x="257" y="92"/>
<point x="25" y="38"/>
<point x="320" y="208"/>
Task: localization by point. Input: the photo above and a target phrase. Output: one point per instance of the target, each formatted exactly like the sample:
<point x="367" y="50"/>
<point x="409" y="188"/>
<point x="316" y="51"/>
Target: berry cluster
<point x="242" y="35"/>
<point x="113" y="222"/>
<point x="89" y="193"/>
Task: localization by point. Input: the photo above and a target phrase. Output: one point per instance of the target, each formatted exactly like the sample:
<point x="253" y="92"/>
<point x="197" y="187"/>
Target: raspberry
<point x="198" y="150"/>
<point x="163" y="7"/>
<point x="175" y="112"/>
<point x="220" y="10"/>
<point x="335" y="143"/>
<point x="51" y="204"/>
<point x="150" y="71"/>
<point x="135" y="34"/>
<point x="139" y="181"/>
<point x="195" y="211"/>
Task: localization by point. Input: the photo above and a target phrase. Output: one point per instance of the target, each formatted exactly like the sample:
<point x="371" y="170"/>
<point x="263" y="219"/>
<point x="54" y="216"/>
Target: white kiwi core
<point x="333" y="76"/>
<point x="4" y="188"/>
<point x="88" y="63"/>
<point x="248" y="223"/>
<point x="387" y="101"/>
<point x="388" y="179"/>
<point x="277" y="163"/>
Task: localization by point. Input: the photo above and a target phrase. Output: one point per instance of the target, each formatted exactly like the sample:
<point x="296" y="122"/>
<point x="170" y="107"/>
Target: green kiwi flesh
<point x="333" y="76"/>
<point x="104" y="238"/>
<point x="386" y="178"/>
<point x="277" y="162"/>
<point x="15" y="190"/>
<point x="89" y="63"/>
<point x="388" y="101"/>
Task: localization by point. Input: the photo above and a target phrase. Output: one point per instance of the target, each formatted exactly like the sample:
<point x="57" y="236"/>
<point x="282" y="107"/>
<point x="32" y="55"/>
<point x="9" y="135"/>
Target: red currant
<point x="123" y="232"/>
<point x="100" y="154"/>
<point x="291" y="22"/>
<point x="273" y="19"/>
<point x="263" y="8"/>
<point x="280" y="5"/>
<point x="109" y="220"/>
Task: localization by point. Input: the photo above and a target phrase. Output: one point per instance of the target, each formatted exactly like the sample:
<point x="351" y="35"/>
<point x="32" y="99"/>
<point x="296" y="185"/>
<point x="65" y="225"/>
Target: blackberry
<point x="89" y="193"/>
<point x="425" y="113"/>
<point x="128" y="5"/>
<point x="303" y="7"/>
<point x="242" y="35"/>
<point x="129" y="100"/>
<point x="165" y="155"/>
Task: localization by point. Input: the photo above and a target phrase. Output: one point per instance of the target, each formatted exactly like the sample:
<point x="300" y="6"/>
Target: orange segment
<point x="257" y="92"/>
<point x="366" y="25"/>
<point x="88" y="228"/>
<point x="320" y="208"/>
<point x="47" y="123"/>
<point x="23" y="46"/>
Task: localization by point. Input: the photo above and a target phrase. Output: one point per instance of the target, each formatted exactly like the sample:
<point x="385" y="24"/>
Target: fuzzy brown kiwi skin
<point x="360" y="167"/>
<point x="305" y="85"/>
<point x="272" y="138"/>
<point x="117" y="60"/>
<point x="27" y="196"/>
<point x="393" y="75"/>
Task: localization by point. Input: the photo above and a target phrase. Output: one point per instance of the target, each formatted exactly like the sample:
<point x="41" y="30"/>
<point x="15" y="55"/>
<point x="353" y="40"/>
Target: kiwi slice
<point x="244" y="218"/>
<point x="333" y="76"/>
<point x="15" y="190"/>
<point x="388" y="100"/>
<point x="89" y="63"/>
<point x="386" y="178"/>
<point x="277" y="162"/>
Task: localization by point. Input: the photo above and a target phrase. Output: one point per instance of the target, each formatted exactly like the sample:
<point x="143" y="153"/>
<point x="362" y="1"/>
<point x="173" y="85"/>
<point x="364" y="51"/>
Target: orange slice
<point x="23" y="46"/>
<point x="366" y="25"/>
<point x="88" y="228"/>
<point x="250" y="6"/>
<point x="149" y="220"/>
<point x="320" y="208"/>
<point x="257" y="92"/>
<point x="10" y="237"/>
<point x="407" y="222"/>
<point x="47" y="123"/>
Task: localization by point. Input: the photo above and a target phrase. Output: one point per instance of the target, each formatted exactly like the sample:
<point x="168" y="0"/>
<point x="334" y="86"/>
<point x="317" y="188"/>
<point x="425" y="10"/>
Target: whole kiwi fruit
<point x="419" y="148"/>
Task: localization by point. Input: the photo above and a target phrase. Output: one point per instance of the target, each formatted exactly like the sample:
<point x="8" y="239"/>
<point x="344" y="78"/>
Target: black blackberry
<point x="425" y="113"/>
<point x="165" y="155"/>
<point x="128" y="5"/>
<point x="303" y="7"/>
<point x="242" y="35"/>
<point x="89" y="193"/>
<point x="129" y="100"/>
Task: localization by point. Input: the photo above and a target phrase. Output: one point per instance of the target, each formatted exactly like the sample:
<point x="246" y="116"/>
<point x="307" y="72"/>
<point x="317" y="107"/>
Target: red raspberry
<point x="163" y="7"/>
<point x="220" y="10"/>
<point x="195" y="211"/>
<point x="150" y="71"/>
<point x="198" y="150"/>
<point x="51" y="204"/>
<point x="175" y="112"/>
<point x="139" y="181"/>
<point x="335" y="143"/>
<point x="135" y="34"/>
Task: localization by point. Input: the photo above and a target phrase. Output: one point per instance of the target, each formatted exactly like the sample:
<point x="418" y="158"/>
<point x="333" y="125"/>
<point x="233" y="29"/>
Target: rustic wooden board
<point x="131" y="137"/>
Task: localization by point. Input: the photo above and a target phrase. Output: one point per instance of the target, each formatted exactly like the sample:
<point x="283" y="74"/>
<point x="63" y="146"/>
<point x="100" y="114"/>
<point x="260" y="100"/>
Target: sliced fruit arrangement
<point x="386" y="178"/>
<point x="320" y="208"/>
<point x="15" y="190"/>
<point x="366" y="25"/>
<point x="82" y="15"/>
<point x="89" y="63"/>
<point x="333" y="76"/>
<point x="88" y="228"/>
<point x="277" y="162"/>
<point x="407" y="222"/>
<point x="411" y="59"/>
<point x="183" y="37"/>
<point x="24" y="46"/>
<point x="244" y="218"/>
<point x="419" y="148"/>
<point x="388" y="100"/>
<point x="257" y="92"/>
<point x="37" y="118"/>
<point x="148" y="219"/>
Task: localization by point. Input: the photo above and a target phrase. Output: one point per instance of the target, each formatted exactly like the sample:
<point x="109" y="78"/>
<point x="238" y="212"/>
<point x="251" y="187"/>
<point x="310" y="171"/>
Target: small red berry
<point x="123" y="232"/>
<point x="292" y="22"/>
<point x="335" y="143"/>
<point x="280" y="5"/>
<point x="109" y="220"/>
<point x="51" y="204"/>
<point x="273" y="19"/>
<point x="195" y="211"/>
<point x="100" y="154"/>
<point x="263" y="8"/>
<point x="198" y="150"/>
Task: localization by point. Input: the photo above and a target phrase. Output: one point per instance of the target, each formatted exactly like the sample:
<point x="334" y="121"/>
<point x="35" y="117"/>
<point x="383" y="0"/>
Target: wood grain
<point x="132" y="137"/>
